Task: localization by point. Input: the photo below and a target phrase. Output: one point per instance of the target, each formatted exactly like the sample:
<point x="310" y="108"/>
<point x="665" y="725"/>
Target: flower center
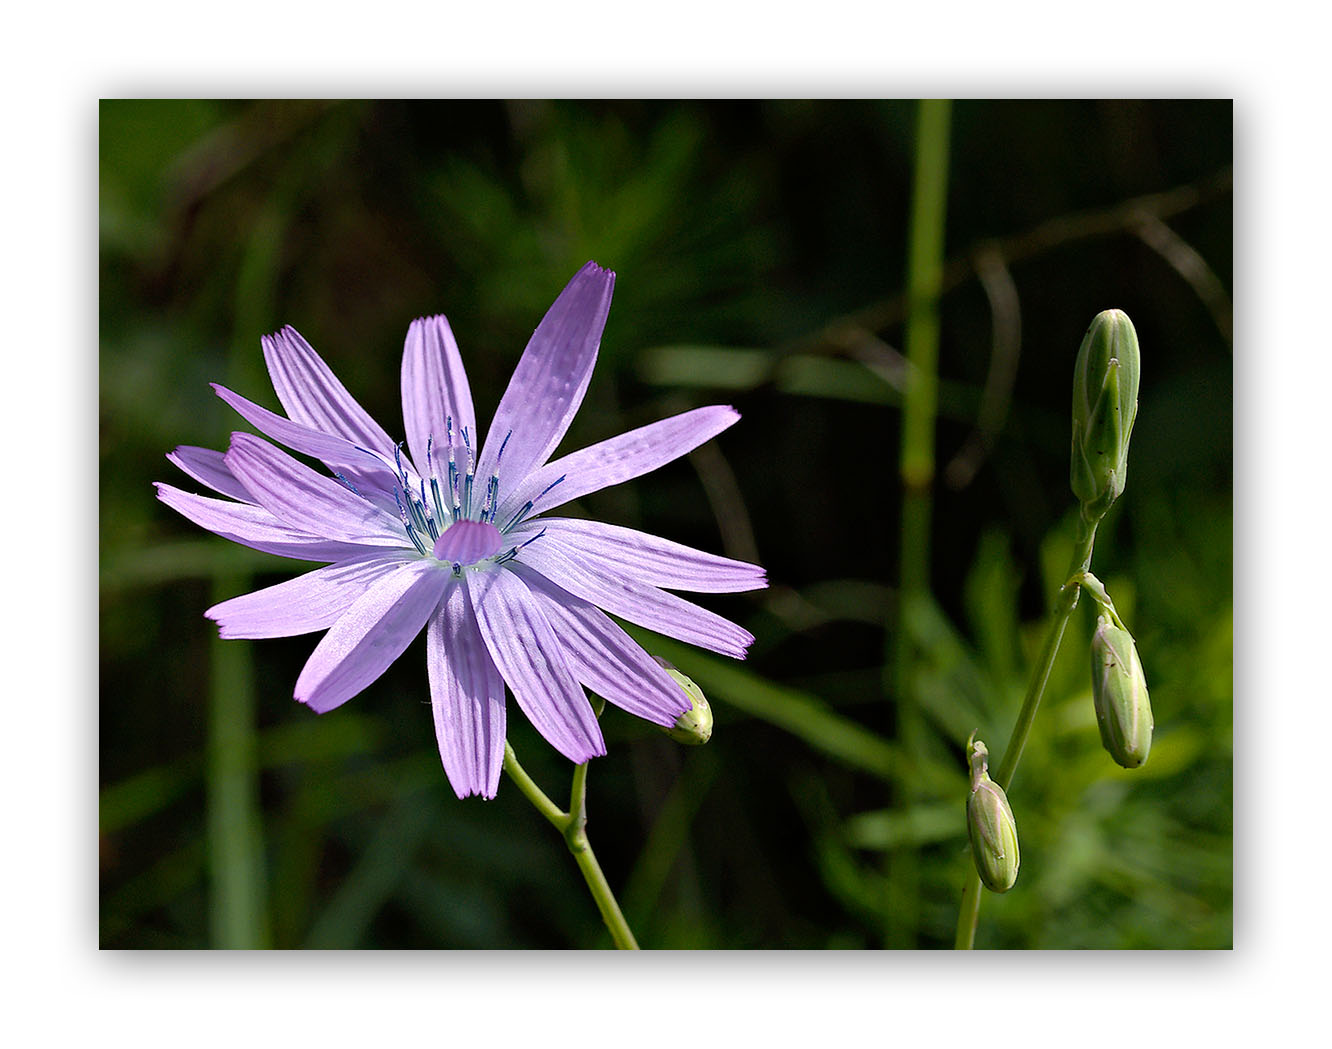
<point x="467" y="542"/>
<point x="442" y="515"/>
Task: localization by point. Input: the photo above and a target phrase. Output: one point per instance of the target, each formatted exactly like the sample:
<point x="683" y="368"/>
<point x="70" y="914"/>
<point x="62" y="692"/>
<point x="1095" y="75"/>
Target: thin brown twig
<point x="1185" y="260"/>
<point x="728" y="504"/>
<point x="1006" y="321"/>
<point x="1127" y="216"/>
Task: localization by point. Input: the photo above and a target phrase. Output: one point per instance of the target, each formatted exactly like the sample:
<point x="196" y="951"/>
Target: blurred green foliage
<point x="760" y="249"/>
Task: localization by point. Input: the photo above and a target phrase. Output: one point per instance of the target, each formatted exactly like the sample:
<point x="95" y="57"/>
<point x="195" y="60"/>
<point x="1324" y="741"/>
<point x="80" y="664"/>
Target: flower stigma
<point x="466" y="543"/>
<point x="443" y="526"/>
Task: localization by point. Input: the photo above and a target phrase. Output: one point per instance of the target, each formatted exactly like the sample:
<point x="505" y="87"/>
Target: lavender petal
<point x="255" y="527"/>
<point x="548" y="385"/>
<point x="617" y="459"/>
<point x="369" y="471"/>
<point x="644" y="605"/>
<point x="312" y="394"/>
<point x="206" y="466"/>
<point x="310" y="602"/>
<point x="371" y="634"/>
<point x="434" y="389"/>
<point x="648" y="559"/>
<point x="467" y="694"/>
<point x="604" y="657"/>
<point x="306" y="500"/>
<point x="528" y="654"/>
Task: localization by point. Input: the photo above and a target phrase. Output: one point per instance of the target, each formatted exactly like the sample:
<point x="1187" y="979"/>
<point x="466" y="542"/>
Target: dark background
<point x="761" y="254"/>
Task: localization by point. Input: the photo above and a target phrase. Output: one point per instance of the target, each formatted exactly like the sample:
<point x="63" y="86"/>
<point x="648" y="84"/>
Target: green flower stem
<point x="238" y="891"/>
<point x="1096" y="589"/>
<point x="532" y="792"/>
<point x="925" y="253"/>
<point x="1003" y="775"/>
<point x="573" y="826"/>
<point x="238" y="912"/>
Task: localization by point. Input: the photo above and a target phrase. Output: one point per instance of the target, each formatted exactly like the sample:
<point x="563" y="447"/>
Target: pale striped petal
<point x="369" y="472"/>
<point x="615" y="460"/>
<point x="603" y="657"/>
<point x="646" y="558"/>
<point x="528" y="654"/>
<point x="305" y="499"/>
<point x="371" y="634"/>
<point x="434" y="389"/>
<point x="206" y="466"/>
<point x="312" y="394"/>
<point x="548" y="385"/>
<point x="255" y="527"/>
<point x="645" y="605"/>
<point x="310" y="602"/>
<point x="467" y="694"/>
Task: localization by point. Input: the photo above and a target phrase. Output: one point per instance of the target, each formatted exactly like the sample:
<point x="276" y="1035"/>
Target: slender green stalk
<point x="556" y="815"/>
<point x="573" y="826"/>
<point x="1066" y="601"/>
<point x="238" y="913"/>
<point x="238" y="897"/>
<point x="929" y="198"/>
<point x="925" y="254"/>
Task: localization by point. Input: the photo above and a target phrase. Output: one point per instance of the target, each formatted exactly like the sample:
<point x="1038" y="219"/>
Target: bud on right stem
<point x="1105" y="404"/>
<point x="1119" y="689"/>
<point x="990" y="825"/>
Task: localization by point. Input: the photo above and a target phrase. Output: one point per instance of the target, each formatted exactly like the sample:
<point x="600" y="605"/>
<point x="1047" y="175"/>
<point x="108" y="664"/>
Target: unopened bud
<point x="1119" y="688"/>
<point x="1105" y="404"/>
<point x="990" y="825"/>
<point x="694" y="726"/>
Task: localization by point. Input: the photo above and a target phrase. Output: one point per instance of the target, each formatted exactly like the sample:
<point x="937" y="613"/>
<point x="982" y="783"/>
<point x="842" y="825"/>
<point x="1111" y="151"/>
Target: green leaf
<point x="918" y="825"/>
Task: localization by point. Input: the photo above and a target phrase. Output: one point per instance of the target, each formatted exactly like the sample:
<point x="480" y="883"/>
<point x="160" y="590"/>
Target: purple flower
<point x="448" y="534"/>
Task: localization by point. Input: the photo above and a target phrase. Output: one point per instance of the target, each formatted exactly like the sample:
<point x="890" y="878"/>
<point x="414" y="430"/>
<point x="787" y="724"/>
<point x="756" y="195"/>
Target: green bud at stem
<point x="1119" y="688"/>
<point x="1105" y="404"/>
<point x="694" y="726"/>
<point x="990" y="825"/>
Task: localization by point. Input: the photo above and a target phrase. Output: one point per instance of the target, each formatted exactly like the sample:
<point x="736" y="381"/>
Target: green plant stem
<point x="925" y="253"/>
<point x="1066" y="601"/>
<point x="237" y="900"/>
<point x="573" y="826"/>
<point x="238" y="897"/>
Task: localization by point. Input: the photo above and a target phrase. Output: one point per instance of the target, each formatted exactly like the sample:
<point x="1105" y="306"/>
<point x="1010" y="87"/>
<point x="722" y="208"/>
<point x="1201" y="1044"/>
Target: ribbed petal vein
<point x="314" y="601"/>
<point x="434" y="389"/>
<point x="617" y="459"/>
<point x="467" y="694"/>
<point x="368" y="471"/>
<point x="206" y="466"/>
<point x="371" y="634"/>
<point x="528" y="654"/>
<point x="646" y="558"/>
<point x="645" y="605"/>
<point x="548" y="385"/>
<point x="312" y="394"/>
<point x="305" y="499"/>
<point x="255" y="527"/>
<point x="604" y="657"/>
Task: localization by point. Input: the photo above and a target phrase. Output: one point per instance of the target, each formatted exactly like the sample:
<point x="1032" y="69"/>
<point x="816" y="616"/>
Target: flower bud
<point x="694" y="726"/>
<point x="990" y="826"/>
<point x="1105" y="403"/>
<point x="1123" y="710"/>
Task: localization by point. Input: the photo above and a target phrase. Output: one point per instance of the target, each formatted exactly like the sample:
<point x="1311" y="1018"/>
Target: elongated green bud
<point x="694" y="726"/>
<point x="990" y="825"/>
<point x="1105" y="404"/>
<point x="1119" y="688"/>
